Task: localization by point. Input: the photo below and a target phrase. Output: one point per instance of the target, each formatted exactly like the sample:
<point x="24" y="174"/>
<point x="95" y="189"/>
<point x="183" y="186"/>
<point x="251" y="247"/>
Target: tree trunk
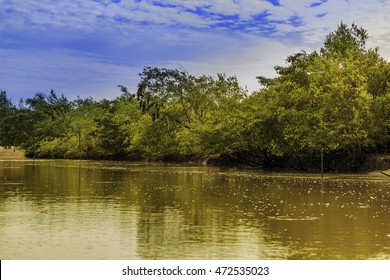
<point x="322" y="163"/>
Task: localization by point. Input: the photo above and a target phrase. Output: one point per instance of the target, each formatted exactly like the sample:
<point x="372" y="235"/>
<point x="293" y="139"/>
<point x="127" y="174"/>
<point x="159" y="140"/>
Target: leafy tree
<point x="5" y="103"/>
<point x="47" y="119"/>
<point x="81" y="128"/>
<point x="184" y="108"/>
<point x="14" y="123"/>
<point x="344" y="40"/>
<point x="109" y="137"/>
<point x="6" y="120"/>
<point x="220" y="131"/>
<point x="159" y="87"/>
<point x="321" y="101"/>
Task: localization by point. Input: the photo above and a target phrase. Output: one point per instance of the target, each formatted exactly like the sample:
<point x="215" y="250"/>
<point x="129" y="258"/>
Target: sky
<point x="87" y="48"/>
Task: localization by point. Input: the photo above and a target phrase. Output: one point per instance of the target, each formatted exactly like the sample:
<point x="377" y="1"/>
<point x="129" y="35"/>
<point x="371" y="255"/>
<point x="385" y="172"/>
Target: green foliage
<point x="380" y="123"/>
<point x="344" y="39"/>
<point x="5" y="103"/>
<point x="192" y="114"/>
<point x="324" y="101"/>
<point x="7" y="115"/>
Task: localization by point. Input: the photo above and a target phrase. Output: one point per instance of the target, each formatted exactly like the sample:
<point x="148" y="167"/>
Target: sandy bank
<point x="11" y="153"/>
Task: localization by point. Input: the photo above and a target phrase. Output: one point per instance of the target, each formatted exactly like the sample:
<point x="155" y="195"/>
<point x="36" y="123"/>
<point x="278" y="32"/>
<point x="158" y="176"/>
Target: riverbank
<point x="11" y="153"/>
<point x="374" y="163"/>
<point x="378" y="164"/>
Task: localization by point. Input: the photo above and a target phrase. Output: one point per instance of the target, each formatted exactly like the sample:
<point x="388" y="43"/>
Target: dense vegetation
<point x="334" y="102"/>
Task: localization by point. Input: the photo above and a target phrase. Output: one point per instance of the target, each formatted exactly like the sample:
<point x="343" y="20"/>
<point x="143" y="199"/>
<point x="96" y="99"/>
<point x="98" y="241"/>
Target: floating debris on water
<point x="287" y="218"/>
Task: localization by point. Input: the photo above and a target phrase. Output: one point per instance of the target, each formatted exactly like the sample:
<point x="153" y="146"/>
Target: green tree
<point x="189" y="112"/>
<point x="47" y="121"/>
<point x="344" y="40"/>
<point x="7" y="111"/>
<point x="5" y="103"/>
<point x="109" y="137"/>
<point x="220" y="130"/>
<point x="321" y="101"/>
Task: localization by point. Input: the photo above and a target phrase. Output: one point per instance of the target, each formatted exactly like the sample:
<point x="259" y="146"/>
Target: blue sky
<point x="87" y="47"/>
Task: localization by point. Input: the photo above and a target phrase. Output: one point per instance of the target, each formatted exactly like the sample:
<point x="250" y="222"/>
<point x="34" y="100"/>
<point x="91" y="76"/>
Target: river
<point x="51" y="209"/>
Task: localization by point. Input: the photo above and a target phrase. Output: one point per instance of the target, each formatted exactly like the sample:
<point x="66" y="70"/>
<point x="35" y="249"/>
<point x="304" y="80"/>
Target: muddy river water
<point x="117" y="210"/>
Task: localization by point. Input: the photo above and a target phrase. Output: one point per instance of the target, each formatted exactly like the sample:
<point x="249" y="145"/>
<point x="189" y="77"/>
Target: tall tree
<point x="344" y="40"/>
<point x="7" y="111"/>
<point x="321" y="101"/>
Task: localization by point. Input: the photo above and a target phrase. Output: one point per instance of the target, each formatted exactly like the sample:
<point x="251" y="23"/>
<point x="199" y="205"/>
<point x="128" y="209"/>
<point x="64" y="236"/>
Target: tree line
<point x="333" y="103"/>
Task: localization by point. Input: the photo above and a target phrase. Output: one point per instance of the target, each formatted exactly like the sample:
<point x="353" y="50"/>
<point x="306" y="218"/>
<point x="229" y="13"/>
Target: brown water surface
<point x="114" y="210"/>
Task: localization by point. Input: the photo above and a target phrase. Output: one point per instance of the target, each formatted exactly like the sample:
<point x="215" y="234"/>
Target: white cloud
<point x="206" y="37"/>
<point x="85" y="15"/>
<point x="90" y="16"/>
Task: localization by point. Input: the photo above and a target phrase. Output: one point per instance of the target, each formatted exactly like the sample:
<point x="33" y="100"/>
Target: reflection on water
<point x="113" y="210"/>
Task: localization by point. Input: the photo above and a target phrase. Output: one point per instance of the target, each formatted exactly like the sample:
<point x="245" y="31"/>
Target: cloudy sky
<point x="87" y="47"/>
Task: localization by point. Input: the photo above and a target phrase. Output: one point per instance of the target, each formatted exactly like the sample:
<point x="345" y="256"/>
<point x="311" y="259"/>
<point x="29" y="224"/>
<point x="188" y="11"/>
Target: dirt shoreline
<point x="11" y="153"/>
<point x="378" y="165"/>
